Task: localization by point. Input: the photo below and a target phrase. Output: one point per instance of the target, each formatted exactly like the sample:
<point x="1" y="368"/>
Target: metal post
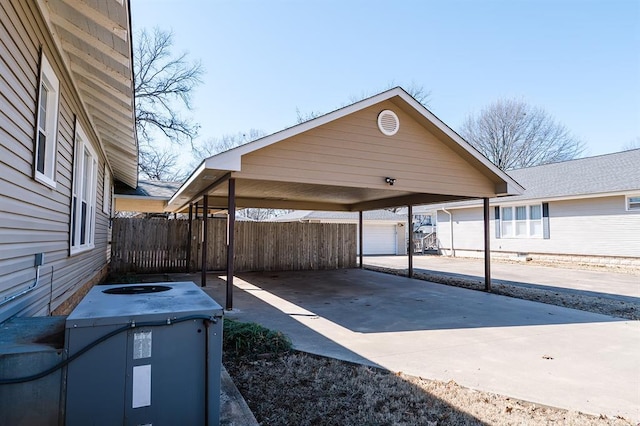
<point x="360" y="237"/>
<point x="410" y="220"/>
<point x="487" y="248"/>
<point x="231" y="216"/>
<point x="189" y="238"/>
<point x="205" y="238"/>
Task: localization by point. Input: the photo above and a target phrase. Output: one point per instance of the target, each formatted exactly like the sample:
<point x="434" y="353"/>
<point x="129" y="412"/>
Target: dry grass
<point x="301" y="389"/>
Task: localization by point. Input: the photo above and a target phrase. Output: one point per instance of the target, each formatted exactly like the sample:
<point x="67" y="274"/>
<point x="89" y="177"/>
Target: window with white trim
<point x="633" y="202"/>
<point x="521" y="221"/>
<point x="83" y="204"/>
<point x="46" y="125"/>
<point x="106" y="192"/>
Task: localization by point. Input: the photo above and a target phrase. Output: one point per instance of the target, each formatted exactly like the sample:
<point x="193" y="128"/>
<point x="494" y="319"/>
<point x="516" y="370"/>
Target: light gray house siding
<point x="591" y="227"/>
<point x="34" y="217"/>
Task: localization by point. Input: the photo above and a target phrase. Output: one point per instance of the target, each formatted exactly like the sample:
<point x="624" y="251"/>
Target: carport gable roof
<point x="339" y="162"/>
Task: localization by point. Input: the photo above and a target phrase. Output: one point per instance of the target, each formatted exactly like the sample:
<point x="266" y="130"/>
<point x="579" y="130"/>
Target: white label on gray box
<point x="142" y="344"/>
<point x="141" y="386"/>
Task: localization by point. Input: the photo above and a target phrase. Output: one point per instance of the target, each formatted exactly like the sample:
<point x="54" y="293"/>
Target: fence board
<point x="158" y="245"/>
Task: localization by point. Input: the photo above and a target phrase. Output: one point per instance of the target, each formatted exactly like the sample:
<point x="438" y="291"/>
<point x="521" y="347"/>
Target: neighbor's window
<point x="521" y="221"/>
<point x="83" y="205"/>
<point x="535" y="220"/>
<point x="46" y="124"/>
<point x="633" y="202"/>
<point x="507" y="221"/>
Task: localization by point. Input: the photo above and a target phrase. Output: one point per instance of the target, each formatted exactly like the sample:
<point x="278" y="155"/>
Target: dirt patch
<point x="302" y="389"/>
<point x="583" y="302"/>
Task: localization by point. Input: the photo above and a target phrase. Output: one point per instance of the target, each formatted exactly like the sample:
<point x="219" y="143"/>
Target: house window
<point x="535" y="220"/>
<point x="522" y="221"/>
<point x="106" y="192"/>
<point x="507" y="221"/>
<point x="633" y="203"/>
<point x="46" y="125"/>
<point x="83" y="204"/>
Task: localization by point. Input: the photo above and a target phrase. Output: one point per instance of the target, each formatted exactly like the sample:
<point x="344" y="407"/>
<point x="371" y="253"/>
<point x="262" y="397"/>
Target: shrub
<point x="251" y="340"/>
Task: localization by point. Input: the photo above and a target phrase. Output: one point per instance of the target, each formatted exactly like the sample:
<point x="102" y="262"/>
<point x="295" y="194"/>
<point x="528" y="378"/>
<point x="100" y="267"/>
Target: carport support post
<point x="205" y="234"/>
<point x="231" y="232"/>
<point x="189" y="237"/>
<point x="410" y="254"/>
<point x="487" y="247"/>
<point x="360" y="237"/>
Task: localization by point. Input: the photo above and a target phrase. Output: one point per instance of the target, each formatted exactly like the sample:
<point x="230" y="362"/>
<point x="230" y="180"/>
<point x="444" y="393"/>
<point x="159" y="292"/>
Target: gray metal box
<point x="160" y="369"/>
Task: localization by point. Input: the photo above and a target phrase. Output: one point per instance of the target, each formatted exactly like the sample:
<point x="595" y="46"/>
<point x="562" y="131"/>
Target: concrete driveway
<point x="533" y="351"/>
<point x="607" y="282"/>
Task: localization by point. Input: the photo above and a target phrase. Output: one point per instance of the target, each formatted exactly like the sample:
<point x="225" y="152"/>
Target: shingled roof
<point x="602" y="174"/>
<point x="585" y="177"/>
<point x="149" y="188"/>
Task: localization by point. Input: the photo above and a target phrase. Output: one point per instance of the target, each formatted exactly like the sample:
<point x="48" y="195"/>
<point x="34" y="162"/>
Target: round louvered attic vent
<point x="388" y="122"/>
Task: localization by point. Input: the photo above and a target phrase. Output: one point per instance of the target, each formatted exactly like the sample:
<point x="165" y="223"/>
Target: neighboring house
<point x="384" y="231"/>
<point x="584" y="210"/>
<point x="67" y="130"/>
<point x="150" y="196"/>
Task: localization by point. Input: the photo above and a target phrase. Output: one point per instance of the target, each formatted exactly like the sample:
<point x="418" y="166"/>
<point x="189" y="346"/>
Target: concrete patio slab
<point x="536" y="352"/>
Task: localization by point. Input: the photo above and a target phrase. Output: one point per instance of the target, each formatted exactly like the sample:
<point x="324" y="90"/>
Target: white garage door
<point x="379" y="239"/>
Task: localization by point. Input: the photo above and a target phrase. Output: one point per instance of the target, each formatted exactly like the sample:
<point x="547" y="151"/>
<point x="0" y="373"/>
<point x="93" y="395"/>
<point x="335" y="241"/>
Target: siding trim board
<point x="546" y="232"/>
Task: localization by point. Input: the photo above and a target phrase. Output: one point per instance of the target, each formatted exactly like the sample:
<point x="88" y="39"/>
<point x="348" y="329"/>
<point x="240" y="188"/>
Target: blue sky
<point x="577" y="59"/>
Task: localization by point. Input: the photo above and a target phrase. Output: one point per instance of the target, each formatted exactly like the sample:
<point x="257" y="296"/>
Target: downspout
<point x="452" y="252"/>
<point x="39" y="262"/>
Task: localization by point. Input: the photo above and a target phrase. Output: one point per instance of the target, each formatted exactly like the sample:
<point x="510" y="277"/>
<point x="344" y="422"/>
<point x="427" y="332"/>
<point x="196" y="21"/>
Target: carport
<point x="384" y="151"/>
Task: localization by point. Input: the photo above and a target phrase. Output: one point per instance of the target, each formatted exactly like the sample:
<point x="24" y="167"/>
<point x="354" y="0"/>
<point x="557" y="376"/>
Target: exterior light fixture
<point x="390" y="181"/>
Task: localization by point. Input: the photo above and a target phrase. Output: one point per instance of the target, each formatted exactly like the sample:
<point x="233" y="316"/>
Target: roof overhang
<point x="334" y="193"/>
<point x="94" y="39"/>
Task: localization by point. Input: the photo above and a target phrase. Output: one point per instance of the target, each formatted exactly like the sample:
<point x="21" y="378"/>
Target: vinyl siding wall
<point x="35" y="218"/>
<point x="583" y="227"/>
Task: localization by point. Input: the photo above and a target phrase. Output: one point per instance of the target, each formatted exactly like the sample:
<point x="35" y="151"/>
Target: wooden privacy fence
<point x="157" y="245"/>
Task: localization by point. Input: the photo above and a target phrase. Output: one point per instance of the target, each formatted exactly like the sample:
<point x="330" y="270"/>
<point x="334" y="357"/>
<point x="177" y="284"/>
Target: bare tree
<point x="213" y="146"/>
<point x="417" y="91"/>
<point x="632" y="144"/>
<point x="302" y="117"/>
<point x="262" y="214"/>
<point x="159" y="164"/>
<point x="513" y="134"/>
<point x="162" y="81"/>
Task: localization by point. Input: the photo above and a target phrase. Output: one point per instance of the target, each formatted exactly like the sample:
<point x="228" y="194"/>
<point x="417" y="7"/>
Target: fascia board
<point x="194" y="176"/>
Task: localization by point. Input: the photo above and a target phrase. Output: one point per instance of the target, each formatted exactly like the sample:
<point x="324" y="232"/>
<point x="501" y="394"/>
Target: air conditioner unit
<point x="152" y="356"/>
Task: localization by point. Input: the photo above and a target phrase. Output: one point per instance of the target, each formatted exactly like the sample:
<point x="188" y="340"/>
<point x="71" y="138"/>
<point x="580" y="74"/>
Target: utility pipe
<point x="452" y="253"/>
<point x="39" y="262"/>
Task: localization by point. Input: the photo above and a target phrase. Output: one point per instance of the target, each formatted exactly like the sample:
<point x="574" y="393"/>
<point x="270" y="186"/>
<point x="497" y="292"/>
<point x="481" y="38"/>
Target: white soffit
<point x="94" y="38"/>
